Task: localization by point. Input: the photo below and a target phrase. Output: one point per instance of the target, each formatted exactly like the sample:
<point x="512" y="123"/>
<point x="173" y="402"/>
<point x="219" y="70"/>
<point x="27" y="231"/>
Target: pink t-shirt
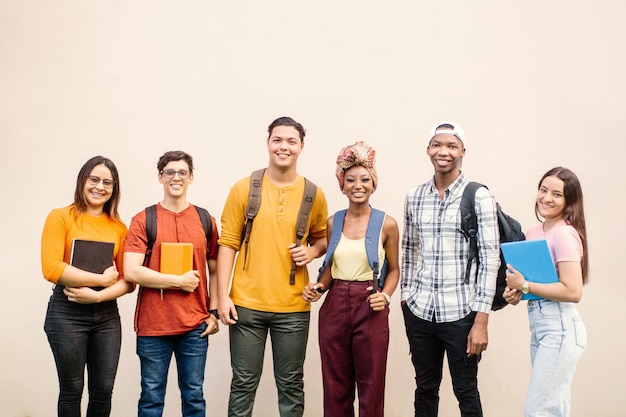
<point x="564" y="241"/>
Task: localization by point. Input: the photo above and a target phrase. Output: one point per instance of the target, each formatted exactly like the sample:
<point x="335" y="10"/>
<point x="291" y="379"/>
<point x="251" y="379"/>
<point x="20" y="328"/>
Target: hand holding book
<point x="177" y="259"/>
<point x="528" y="260"/>
<point x="189" y="281"/>
<point x="96" y="257"/>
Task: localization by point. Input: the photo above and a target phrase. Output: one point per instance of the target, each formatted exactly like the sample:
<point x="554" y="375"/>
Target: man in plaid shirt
<point x="443" y="313"/>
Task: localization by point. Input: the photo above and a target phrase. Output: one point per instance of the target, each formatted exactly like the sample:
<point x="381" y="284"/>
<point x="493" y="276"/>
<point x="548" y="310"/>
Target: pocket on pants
<point x="580" y="332"/>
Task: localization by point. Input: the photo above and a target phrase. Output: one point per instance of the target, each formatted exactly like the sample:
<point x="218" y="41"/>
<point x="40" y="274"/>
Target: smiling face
<point x="98" y="188"/>
<point x="173" y="185"/>
<point x="358" y="185"/>
<point x="284" y="145"/>
<point x="446" y="153"/>
<point x="551" y="199"/>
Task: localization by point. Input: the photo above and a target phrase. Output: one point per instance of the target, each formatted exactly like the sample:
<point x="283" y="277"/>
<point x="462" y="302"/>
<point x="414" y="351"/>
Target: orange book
<point x="176" y="258"/>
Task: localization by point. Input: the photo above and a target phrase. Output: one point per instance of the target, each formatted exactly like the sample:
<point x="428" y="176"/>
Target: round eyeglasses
<point x="183" y="174"/>
<point x="106" y="183"/>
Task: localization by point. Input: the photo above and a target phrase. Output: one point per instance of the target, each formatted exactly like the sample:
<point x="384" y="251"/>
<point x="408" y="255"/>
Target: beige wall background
<point x="534" y="84"/>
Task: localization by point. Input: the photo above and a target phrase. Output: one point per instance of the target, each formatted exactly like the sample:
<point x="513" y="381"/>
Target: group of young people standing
<point x="258" y="284"/>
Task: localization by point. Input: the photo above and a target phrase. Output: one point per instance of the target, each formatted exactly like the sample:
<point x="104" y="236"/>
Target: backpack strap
<point x="151" y="228"/>
<point x="151" y="232"/>
<point x="207" y="225"/>
<point x="469" y="223"/>
<point x="254" y="202"/>
<point x="335" y="236"/>
<point x="372" y="237"/>
<point x="310" y="190"/>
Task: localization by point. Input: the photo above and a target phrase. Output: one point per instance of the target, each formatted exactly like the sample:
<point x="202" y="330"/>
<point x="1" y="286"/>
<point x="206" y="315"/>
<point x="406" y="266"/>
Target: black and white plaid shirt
<point x="435" y="253"/>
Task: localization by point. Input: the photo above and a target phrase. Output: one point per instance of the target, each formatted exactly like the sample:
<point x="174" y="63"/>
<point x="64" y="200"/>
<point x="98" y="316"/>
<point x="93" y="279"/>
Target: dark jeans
<point x="428" y="342"/>
<point x="83" y="335"/>
<point x="289" y="333"/>
<point x="155" y="354"/>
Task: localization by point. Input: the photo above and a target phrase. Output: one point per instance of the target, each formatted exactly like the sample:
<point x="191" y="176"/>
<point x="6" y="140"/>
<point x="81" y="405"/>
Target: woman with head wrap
<point x="353" y="322"/>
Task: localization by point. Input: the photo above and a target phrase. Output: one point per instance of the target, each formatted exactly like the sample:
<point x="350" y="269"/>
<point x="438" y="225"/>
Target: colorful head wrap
<point x="358" y="154"/>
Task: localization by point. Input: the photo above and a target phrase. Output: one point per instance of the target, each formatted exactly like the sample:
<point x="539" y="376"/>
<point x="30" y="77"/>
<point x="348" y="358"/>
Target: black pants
<point x="84" y="335"/>
<point x="428" y="342"/>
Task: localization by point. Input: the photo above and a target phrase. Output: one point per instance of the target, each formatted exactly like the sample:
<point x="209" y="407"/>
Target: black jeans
<point x="79" y="335"/>
<point x="428" y="342"/>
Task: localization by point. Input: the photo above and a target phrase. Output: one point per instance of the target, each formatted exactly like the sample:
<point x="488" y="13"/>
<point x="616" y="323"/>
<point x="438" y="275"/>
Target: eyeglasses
<point x="93" y="180"/>
<point x="183" y="174"/>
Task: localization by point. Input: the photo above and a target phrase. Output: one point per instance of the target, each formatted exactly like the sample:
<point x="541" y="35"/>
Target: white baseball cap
<point x="450" y="128"/>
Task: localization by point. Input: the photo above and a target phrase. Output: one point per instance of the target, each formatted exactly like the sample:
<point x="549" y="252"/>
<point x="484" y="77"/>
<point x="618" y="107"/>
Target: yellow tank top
<point x="350" y="260"/>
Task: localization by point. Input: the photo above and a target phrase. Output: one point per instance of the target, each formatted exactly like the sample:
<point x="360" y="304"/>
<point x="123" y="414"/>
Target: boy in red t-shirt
<point x="173" y="311"/>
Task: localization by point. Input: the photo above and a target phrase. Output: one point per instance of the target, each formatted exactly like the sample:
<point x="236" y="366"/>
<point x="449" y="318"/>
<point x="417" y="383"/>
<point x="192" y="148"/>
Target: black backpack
<point x="510" y="231"/>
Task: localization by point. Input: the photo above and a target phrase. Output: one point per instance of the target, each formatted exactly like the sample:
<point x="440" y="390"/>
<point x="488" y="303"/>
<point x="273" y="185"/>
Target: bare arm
<point x="75" y="277"/>
<point x="212" y="323"/>
<point x="225" y="264"/>
<point x="568" y="289"/>
<point x="212" y="264"/>
<point x="86" y="295"/>
<point x="135" y="272"/>
<point x="478" y="336"/>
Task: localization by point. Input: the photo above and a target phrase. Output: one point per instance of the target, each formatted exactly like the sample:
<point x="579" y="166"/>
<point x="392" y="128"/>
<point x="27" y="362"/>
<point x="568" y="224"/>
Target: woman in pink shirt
<point x="558" y="335"/>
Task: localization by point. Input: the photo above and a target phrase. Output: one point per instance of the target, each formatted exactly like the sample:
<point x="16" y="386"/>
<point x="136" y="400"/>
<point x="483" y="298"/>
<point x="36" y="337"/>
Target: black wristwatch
<point x="214" y="313"/>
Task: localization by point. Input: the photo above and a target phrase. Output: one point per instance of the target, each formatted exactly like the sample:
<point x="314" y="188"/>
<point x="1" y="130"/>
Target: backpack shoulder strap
<point x="151" y="231"/>
<point x="335" y="236"/>
<point x="254" y="194"/>
<point x="310" y="190"/>
<point x="207" y="225"/>
<point x="468" y="212"/>
<point x="469" y="222"/>
<point x="308" y="197"/>
<point x="254" y="202"/>
<point x="372" y="237"/>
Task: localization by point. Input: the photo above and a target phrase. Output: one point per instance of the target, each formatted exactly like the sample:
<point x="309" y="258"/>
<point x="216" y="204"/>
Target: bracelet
<point x="387" y="297"/>
<point x="214" y="313"/>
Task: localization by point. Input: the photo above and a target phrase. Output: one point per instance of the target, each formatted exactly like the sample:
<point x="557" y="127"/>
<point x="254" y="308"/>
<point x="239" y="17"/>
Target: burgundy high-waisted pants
<point x="353" y="346"/>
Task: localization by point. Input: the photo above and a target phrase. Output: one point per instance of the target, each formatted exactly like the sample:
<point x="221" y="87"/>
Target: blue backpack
<point x="372" y="236"/>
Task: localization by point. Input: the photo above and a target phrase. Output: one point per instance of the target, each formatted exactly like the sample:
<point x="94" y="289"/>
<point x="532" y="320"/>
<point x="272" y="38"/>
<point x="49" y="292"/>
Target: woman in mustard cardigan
<point x="82" y="321"/>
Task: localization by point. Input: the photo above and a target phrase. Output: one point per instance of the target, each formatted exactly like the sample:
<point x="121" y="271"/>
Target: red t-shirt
<point x="176" y="311"/>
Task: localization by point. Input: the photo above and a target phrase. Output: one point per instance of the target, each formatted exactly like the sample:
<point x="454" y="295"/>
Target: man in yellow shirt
<point x="262" y="298"/>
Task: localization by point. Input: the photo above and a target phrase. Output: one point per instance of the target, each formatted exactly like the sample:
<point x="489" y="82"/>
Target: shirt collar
<point x="456" y="188"/>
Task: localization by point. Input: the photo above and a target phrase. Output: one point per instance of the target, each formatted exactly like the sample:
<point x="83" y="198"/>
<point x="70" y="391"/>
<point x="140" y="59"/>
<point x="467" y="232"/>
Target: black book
<point x="92" y="255"/>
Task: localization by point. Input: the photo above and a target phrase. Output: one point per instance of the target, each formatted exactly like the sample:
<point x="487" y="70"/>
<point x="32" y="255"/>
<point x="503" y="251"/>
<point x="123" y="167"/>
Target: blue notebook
<point x="533" y="260"/>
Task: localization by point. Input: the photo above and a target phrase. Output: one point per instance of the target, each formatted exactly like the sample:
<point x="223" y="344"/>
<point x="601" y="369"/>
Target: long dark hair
<point x="80" y="202"/>
<point x="573" y="213"/>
